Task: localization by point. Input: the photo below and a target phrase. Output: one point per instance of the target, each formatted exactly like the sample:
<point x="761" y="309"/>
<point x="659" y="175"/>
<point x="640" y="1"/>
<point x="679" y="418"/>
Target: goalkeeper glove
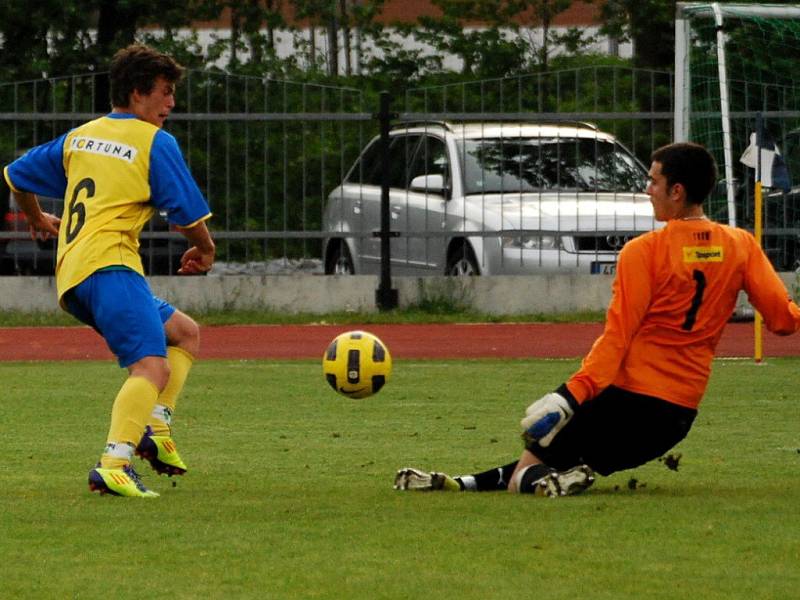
<point x="547" y="416"/>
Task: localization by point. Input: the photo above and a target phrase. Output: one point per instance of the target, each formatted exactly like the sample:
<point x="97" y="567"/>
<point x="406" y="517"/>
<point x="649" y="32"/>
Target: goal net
<point x="736" y="64"/>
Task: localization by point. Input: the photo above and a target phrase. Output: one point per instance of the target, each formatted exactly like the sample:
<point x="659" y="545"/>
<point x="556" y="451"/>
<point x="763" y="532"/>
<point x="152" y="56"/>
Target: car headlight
<point x="531" y="242"/>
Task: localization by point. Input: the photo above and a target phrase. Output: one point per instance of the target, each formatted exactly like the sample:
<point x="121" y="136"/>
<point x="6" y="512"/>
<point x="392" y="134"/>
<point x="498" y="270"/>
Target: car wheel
<point x="461" y="262"/>
<point x="339" y="261"/>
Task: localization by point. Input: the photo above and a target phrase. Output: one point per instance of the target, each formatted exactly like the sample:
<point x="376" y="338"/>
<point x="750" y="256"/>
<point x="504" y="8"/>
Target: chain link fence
<point x="267" y="154"/>
<point x="264" y="152"/>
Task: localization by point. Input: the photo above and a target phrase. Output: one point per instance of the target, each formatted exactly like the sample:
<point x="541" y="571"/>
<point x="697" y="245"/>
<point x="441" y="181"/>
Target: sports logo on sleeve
<point x="104" y="147"/>
<point x="700" y="254"/>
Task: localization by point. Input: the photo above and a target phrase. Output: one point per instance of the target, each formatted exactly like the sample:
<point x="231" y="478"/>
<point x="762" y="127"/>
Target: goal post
<point x="732" y="61"/>
<point x="718" y="11"/>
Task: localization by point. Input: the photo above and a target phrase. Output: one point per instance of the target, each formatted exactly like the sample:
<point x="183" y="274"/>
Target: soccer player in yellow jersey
<point x="637" y="391"/>
<point x="113" y="173"/>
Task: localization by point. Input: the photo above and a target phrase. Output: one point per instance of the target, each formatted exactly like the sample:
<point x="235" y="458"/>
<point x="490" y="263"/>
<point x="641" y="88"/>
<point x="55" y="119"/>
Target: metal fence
<point x="264" y="152"/>
<point x="268" y="153"/>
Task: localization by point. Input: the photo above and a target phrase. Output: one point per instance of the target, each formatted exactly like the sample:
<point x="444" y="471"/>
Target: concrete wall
<point x="497" y="295"/>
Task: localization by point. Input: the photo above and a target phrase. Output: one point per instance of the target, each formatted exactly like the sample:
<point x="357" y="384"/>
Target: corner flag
<point x="774" y="172"/>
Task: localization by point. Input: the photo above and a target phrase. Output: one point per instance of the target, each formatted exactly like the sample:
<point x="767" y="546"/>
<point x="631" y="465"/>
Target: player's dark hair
<point x="136" y="68"/>
<point x="689" y="164"/>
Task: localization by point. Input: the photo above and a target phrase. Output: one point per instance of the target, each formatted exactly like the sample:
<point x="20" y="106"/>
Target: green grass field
<point x="289" y="492"/>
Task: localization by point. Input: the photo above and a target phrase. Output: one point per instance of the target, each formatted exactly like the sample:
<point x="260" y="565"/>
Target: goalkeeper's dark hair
<point x="689" y="164"/>
<point x="136" y="68"/>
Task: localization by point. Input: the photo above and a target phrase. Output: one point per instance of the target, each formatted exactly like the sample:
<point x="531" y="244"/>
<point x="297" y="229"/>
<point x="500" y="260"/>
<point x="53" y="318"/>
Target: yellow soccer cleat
<point x="161" y="452"/>
<point x="421" y="481"/>
<point x="119" y="482"/>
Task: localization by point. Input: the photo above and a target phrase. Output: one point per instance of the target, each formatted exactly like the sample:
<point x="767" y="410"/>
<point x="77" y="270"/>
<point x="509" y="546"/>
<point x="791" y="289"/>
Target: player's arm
<point x="199" y="258"/>
<point x="631" y="294"/>
<point x="174" y="190"/>
<point x="768" y="294"/>
<point x="39" y="222"/>
<point x="38" y="171"/>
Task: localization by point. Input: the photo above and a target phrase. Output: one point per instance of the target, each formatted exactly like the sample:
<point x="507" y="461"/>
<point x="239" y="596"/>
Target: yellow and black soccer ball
<point x="357" y="364"/>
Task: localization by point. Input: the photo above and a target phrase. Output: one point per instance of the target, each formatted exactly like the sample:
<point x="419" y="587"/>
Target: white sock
<point x="117" y="450"/>
<point x="468" y="481"/>
<point x="162" y="413"/>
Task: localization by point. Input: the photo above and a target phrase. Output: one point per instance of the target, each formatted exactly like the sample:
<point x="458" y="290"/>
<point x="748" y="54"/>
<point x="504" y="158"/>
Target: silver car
<point x="490" y="198"/>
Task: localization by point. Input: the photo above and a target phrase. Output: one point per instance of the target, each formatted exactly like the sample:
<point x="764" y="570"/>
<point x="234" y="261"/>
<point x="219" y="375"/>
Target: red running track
<point x="460" y="341"/>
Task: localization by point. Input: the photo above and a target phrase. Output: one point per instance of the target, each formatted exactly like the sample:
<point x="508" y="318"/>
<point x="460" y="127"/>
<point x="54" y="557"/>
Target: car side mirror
<point x="433" y="184"/>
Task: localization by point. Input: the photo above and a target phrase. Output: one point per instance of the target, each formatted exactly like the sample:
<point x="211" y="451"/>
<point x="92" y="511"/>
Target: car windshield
<point x="496" y="165"/>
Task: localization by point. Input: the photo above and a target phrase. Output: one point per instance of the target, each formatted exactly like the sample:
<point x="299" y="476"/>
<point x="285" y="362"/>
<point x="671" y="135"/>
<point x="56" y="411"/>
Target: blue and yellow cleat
<point x="161" y="452"/>
<point x="119" y="482"/>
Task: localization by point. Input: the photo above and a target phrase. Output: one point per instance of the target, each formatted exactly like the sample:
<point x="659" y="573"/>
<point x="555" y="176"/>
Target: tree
<point x="542" y="13"/>
<point x="320" y="13"/>
<point x="496" y="48"/>
<point x="53" y="38"/>
<point x="484" y="51"/>
<point x="362" y="15"/>
<point x="395" y="65"/>
<point x="247" y="20"/>
<point x="649" y="24"/>
<point x="27" y="27"/>
<point x="344" y="22"/>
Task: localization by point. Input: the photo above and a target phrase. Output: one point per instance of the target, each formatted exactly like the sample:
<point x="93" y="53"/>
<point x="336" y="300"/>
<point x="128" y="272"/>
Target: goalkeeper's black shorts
<point x="617" y="430"/>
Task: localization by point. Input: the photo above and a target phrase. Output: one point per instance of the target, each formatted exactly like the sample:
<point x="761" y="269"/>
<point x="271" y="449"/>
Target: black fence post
<point x="385" y="297"/>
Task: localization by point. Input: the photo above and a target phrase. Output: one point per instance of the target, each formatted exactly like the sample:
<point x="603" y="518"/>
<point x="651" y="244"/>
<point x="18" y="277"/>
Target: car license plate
<point x="603" y="268"/>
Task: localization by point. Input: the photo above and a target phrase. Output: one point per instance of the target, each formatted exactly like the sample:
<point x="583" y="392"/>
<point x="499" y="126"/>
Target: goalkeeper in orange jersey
<point x="637" y="391"/>
<point x="113" y="173"/>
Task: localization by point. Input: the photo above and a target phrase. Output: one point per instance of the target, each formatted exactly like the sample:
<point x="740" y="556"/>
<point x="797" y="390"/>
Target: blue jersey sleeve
<point x="172" y="187"/>
<point x="41" y="170"/>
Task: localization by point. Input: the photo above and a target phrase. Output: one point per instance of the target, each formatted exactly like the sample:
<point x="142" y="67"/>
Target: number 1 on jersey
<point x="697" y="299"/>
